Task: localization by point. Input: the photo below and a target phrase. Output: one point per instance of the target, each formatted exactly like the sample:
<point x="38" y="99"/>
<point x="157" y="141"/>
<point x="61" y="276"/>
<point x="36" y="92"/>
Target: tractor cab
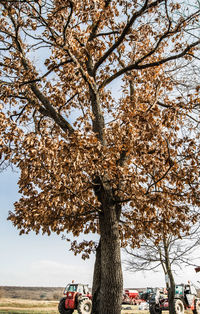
<point x="72" y="289"/>
<point x="186" y="290"/>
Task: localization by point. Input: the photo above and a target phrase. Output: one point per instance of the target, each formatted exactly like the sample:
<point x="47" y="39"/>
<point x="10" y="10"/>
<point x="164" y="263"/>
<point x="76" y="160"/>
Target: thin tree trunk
<point x="171" y="289"/>
<point x="171" y="292"/>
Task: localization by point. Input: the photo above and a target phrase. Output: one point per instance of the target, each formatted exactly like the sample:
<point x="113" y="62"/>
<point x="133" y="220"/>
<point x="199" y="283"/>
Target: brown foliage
<point x="136" y="151"/>
<point x="96" y="114"/>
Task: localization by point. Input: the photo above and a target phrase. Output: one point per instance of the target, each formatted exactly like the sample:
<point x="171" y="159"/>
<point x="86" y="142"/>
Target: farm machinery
<point x="77" y="297"/>
<point x="131" y="296"/>
<point x="135" y="297"/>
<point x="148" y="293"/>
<point x="185" y="298"/>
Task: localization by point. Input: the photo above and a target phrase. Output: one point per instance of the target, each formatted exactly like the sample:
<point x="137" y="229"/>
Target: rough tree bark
<point x="108" y="279"/>
<point x="96" y="281"/>
<point x="111" y="272"/>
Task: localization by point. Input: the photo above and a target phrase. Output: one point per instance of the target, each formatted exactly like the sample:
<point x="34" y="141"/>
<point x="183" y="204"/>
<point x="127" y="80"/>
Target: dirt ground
<point x="23" y="306"/>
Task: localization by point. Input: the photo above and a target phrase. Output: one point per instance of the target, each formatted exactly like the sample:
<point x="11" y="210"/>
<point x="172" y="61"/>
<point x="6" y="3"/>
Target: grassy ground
<point x="19" y="306"/>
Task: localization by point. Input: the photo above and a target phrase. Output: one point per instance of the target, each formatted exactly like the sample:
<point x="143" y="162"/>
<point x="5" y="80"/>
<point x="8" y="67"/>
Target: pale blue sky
<point x="31" y="260"/>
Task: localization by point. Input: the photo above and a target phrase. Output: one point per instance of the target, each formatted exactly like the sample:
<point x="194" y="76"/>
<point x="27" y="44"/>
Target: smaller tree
<point x="171" y="253"/>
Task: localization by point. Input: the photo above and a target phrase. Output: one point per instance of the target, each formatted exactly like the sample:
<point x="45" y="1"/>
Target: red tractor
<point x="77" y="297"/>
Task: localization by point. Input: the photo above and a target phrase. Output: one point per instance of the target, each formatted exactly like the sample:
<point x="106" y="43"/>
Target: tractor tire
<point x="178" y="307"/>
<point x="154" y="309"/>
<point x="197" y="307"/>
<point x="62" y="309"/>
<point x="84" y="306"/>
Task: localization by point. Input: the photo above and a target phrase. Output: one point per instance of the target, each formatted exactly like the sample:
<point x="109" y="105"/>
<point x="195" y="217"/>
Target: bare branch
<point x="137" y="66"/>
<point x="125" y="31"/>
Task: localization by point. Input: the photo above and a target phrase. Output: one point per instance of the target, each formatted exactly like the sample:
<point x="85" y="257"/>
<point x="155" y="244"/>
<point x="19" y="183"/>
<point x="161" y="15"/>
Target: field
<point x="42" y="300"/>
<point x="22" y="306"/>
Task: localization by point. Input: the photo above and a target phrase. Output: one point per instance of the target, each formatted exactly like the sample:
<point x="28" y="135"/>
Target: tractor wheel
<point x="84" y="306"/>
<point x="178" y="306"/>
<point x="154" y="309"/>
<point x="62" y="309"/>
<point x="197" y="307"/>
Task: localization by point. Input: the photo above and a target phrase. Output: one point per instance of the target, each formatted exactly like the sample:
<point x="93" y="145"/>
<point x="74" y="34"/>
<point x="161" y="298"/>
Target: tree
<point x="91" y="119"/>
<point x="171" y="253"/>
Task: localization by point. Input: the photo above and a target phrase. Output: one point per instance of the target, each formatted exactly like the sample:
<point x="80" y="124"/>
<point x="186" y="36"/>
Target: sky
<point x="38" y="260"/>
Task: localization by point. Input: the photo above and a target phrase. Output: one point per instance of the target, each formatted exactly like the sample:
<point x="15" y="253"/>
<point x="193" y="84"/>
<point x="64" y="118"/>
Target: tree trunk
<point x="171" y="288"/>
<point x="108" y="281"/>
<point x="111" y="272"/>
<point x="171" y="292"/>
<point x="96" y="285"/>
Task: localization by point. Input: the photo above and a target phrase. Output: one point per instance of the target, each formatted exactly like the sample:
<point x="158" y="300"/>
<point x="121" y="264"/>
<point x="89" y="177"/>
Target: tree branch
<point x="56" y="116"/>
<point x="96" y="25"/>
<point x="125" y="31"/>
<point x="137" y="66"/>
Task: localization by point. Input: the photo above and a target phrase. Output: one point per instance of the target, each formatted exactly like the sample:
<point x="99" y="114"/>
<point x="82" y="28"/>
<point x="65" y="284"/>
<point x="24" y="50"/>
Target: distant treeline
<point x="33" y="293"/>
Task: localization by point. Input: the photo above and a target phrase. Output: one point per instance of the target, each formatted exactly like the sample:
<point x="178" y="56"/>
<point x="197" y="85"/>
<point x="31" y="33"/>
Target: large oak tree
<point x="92" y="113"/>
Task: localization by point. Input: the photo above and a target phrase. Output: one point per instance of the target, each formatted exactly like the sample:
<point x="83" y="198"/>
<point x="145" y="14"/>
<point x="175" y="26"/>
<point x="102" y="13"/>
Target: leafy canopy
<point x="97" y="88"/>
